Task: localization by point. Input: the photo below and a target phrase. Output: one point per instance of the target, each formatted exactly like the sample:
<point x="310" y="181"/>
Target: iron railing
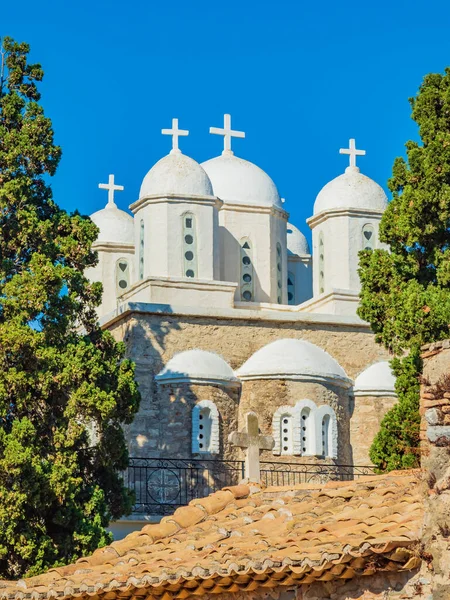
<point x="161" y="485"/>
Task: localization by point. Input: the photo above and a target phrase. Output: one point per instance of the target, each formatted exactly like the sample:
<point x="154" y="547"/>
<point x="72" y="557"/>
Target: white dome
<point x="239" y="181"/>
<point x="177" y="174"/>
<point x="376" y="380"/>
<point x="116" y="226"/>
<point x="293" y="359"/>
<point x="352" y="189"/>
<point x="297" y="244"/>
<point x="197" y="366"/>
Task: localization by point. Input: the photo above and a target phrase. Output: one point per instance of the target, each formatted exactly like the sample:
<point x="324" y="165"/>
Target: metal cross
<point x="353" y="152"/>
<point x="111" y="187"/>
<point x="175" y="133"/>
<point x="252" y="442"/>
<point x="227" y="133"/>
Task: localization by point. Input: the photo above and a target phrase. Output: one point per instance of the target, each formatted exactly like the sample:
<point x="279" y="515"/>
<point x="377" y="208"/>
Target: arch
<point x="246" y="267"/>
<point x="279" y="274"/>
<point x="205" y="428"/>
<point x="286" y="431"/>
<point x="141" y="248"/>
<point x="368" y="236"/>
<point x="328" y="435"/>
<point x="122" y="275"/>
<point x="306" y="410"/>
<point x="321" y="264"/>
<point x="291" y="288"/>
<point x="189" y="245"/>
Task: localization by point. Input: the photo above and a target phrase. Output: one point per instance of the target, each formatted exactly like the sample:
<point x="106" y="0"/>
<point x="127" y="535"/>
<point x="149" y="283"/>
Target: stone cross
<point x="111" y="187"/>
<point x="175" y="133"/>
<point x="227" y="133"/>
<point x="252" y="442"/>
<point x="353" y="152"/>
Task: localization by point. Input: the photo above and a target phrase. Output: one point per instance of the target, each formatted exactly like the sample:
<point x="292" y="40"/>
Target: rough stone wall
<point x="366" y="414"/>
<point x="265" y="396"/>
<point x="152" y="340"/>
<point x="175" y="418"/>
<point x="435" y="449"/>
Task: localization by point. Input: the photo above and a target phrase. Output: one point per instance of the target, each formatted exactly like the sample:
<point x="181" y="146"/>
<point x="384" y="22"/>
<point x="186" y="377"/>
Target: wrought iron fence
<point x="281" y="474"/>
<point x="161" y="485"/>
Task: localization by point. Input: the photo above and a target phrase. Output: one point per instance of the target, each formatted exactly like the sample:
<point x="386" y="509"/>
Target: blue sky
<point x="300" y="78"/>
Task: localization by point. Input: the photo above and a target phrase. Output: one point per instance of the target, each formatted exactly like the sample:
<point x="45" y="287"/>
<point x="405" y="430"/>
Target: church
<point x="227" y="311"/>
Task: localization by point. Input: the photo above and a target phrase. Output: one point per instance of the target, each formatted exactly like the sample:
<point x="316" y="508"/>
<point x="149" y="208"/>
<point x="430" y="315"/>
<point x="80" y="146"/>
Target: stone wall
<point x="265" y="396"/>
<point x="152" y="340"/>
<point x="366" y="414"/>
<point x="435" y="449"/>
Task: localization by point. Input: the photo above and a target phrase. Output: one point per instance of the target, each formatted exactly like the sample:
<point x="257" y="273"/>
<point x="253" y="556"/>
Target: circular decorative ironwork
<point x="163" y="486"/>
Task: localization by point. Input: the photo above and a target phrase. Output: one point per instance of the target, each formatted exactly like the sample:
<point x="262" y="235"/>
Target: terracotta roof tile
<point x="241" y="539"/>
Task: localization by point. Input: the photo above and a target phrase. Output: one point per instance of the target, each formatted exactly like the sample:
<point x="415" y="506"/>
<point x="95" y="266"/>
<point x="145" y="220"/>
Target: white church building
<point x="217" y="234"/>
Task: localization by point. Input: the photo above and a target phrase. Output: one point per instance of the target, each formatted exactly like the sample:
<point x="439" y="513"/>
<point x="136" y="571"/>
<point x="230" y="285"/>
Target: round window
<point x="123" y="284"/>
<point x="247" y="295"/>
<point x="189" y="273"/>
<point x="188" y="239"/>
<point x="189" y="255"/>
<point x="246" y="260"/>
<point x="247" y="278"/>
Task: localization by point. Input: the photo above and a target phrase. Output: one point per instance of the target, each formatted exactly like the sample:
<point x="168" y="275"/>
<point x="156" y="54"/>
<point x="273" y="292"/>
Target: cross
<point x="111" y="187"/>
<point x="353" y="152"/>
<point x="252" y="442"/>
<point x="227" y="133"/>
<point x="175" y="133"/>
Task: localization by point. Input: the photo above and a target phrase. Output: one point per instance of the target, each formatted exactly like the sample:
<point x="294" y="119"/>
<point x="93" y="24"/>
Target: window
<point x="141" y="249"/>
<point x="246" y="258"/>
<point x="368" y="237"/>
<point x="291" y="288"/>
<point x="326" y="435"/>
<point x="205" y="428"/>
<point x="305" y="430"/>
<point x="279" y="274"/>
<point x="326" y="420"/>
<point x="122" y="276"/>
<point x="189" y="246"/>
<point x="286" y="433"/>
<point x="321" y="265"/>
<point x="285" y="430"/>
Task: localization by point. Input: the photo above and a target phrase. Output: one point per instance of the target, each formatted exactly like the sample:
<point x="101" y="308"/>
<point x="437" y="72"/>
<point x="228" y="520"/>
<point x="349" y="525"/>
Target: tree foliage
<point x="406" y="292"/>
<point x="63" y="381"/>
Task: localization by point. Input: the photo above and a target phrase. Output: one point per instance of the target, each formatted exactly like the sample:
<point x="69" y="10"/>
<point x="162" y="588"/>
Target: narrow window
<point x="291" y="288"/>
<point x="141" y="249"/>
<point x="189" y="246"/>
<point x="279" y="274"/>
<point x="246" y="258"/>
<point x="287" y="434"/>
<point x="305" y="433"/>
<point x="326" y="435"/>
<point x="205" y="428"/>
<point x="122" y="276"/>
<point x="368" y="237"/>
<point x="321" y="265"/>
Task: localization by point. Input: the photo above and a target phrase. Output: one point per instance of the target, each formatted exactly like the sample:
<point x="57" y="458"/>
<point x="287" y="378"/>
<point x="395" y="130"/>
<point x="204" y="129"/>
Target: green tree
<point x="63" y="381"/>
<point x="405" y="293"/>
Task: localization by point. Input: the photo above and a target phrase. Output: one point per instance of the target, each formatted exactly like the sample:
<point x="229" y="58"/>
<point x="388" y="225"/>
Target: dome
<point x="352" y="189"/>
<point x="197" y="366"/>
<point x="176" y="174"/>
<point x="376" y="380"/>
<point x="293" y="359"/>
<point x="297" y="244"/>
<point x="239" y="181"/>
<point x="116" y="226"/>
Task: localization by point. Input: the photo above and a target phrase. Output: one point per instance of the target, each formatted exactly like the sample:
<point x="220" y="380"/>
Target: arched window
<point x="291" y="288"/>
<point x="279" y="274"/>
<point x="368" y="237"/>
<point x="326" y="421"/>
<point x="306" y="425"/>
<point x="321" y="264"/>
<point x="141" y="249"/>
<point x="189" y="246"/>
<point x="122" y="276"/>
<point x="286" y="431"/>
<point x="205" y="428"/>
<point x="247" y="288"/>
